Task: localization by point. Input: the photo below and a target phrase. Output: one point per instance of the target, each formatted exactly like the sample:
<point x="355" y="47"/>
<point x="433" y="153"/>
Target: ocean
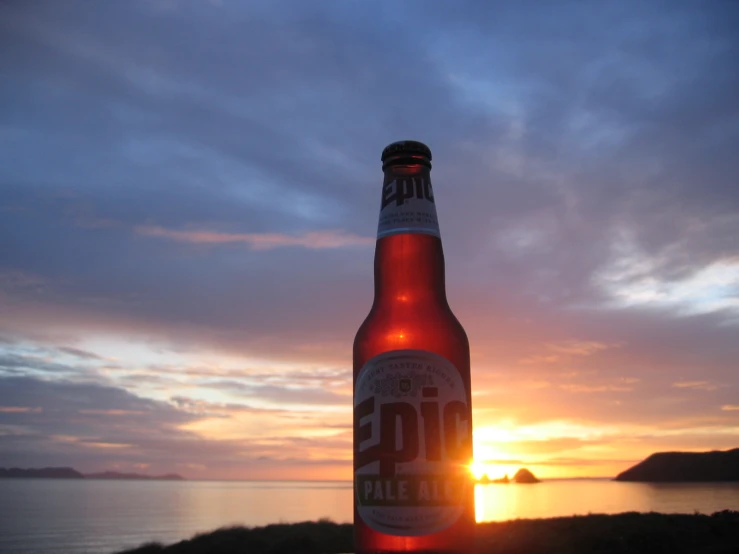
<point x="102" y="517"/>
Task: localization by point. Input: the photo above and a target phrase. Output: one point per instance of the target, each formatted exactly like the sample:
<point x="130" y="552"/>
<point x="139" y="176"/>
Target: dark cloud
<point x="91" y="426"/>
<point x="19" y="364"/>
<point x="77" y="353"/>
<point x="57" y="420"/>
<point x="282" y="394"/>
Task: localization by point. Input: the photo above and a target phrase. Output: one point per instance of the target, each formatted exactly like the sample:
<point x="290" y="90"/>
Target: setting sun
<point x="478" y="469"/>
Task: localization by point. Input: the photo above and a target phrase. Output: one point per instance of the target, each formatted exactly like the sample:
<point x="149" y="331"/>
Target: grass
<point x="628" y="533"/>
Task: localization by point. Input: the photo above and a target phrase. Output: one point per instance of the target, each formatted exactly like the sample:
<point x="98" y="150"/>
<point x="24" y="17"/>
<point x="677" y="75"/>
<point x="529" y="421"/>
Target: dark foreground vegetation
<point x="629" y="533"/>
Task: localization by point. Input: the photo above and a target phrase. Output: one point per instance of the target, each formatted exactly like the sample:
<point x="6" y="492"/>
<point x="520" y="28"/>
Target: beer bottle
<point x="413" y="490"/>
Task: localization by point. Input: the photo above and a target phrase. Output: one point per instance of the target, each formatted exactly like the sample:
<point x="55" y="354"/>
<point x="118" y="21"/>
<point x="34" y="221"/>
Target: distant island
<point x="117" y="475"/>
<point x="685" y="467"/>
<point x="522" y="476"/>
<point x="70" y="473"/>
<point x="47" y="472"/>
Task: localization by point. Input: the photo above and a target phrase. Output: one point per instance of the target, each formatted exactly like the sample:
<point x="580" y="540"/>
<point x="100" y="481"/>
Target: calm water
<point x="76" y="516"/>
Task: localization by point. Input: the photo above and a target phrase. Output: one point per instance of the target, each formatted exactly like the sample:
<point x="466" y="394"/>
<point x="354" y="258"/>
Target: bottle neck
<point x="409" y="259"/>
<point x="409" y="269"/>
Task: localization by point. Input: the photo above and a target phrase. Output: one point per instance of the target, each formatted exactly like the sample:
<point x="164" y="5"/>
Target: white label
<point x="408" y="207"/>
<point x="413" y="429"/>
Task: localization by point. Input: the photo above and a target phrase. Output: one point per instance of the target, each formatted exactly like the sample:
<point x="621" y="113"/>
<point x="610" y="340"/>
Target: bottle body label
<point x="412" y="443"/>
<point x="408" y="207"/>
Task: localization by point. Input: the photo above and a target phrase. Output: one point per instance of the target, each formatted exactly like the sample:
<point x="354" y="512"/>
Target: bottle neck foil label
<point x="408" y="207"/>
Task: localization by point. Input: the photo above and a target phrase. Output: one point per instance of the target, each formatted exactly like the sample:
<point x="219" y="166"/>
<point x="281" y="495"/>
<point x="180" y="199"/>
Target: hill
<point x="117" y="475"/>
<point x="670" y="467"/>
<point x="45" y="472"/>
<point x="70" y="473"/>
<point x="524" y="476"/>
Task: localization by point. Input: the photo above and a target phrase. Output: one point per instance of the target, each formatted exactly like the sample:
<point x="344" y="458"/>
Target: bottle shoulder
<point x="419" y="315"/>
<point x="431" y="328"/>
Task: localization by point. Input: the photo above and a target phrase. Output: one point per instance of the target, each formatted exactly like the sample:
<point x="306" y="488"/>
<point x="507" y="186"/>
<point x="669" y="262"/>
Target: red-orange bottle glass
<point x="413" y="491"/>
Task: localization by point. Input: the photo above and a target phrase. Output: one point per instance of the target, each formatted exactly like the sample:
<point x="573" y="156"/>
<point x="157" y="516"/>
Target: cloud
<point x="72" y="419"/>
<point x="264" y="241"/>
<point x="92" y="426"/>
<point x="596" y="388"/>
<point x="558" y="352"/>
<point x="79" y="353"/>
<point x="294" y="396"/>
<point x="698" y="385"/>
<point x="20" y="409"/>
<point x="20" y="364"/>
<point x="633" y="278"/>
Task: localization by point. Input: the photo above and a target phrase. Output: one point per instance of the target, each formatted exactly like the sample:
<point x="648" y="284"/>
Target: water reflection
<point x="91" y="516"/>
<point x="602" y="496"/>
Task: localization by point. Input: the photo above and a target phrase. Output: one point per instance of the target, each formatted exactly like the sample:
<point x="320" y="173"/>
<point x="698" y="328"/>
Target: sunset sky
<point x="189" y="195"/>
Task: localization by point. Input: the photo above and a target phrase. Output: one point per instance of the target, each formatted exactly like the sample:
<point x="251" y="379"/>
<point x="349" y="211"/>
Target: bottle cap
<point x="406" y="149"/>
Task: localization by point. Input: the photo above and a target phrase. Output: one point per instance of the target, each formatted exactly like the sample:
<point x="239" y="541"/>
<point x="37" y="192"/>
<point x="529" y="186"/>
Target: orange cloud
<point x="556" y="352"/>
<point x="111" y="412"/>
<point x="699" y="385"/>
<point x="260" y="241"/>
<point x="595" y="388"/>
<point x="105" y="445"/>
